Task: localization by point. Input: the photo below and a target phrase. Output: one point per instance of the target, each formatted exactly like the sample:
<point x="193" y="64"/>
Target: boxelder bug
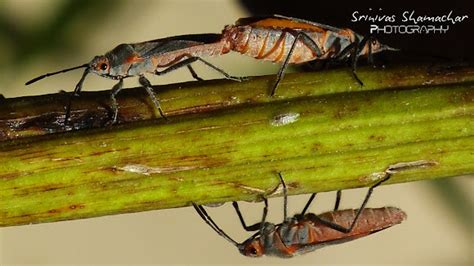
<point x="275" y="38"/>
<point x="306" y="232"/>
<point x="293" y="41"/>
<point x="136" y="59"/>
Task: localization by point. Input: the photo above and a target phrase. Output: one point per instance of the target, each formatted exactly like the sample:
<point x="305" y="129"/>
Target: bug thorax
<point x="100" y="65"/>
<point x="232" y="35"/>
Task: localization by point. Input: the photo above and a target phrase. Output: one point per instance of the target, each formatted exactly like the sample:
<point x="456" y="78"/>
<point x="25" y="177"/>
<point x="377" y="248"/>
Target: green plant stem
<point x="34" y="116"/>
<point x="319" y="142"/>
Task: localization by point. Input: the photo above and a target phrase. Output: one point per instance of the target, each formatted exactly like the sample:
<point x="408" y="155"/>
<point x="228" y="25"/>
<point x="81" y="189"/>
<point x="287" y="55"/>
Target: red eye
<point x="253" y="251"/>
<point x="103" y="66"/>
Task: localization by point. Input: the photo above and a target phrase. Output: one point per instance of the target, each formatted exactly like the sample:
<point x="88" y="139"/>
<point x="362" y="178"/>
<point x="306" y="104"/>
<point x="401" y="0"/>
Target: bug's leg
<point x="370" y="56"/>
<point x="366" y="199"/>
<point x="225" y="74"/>
<point x="115" y="90"/>
<point x="193" y="59"/>
<point x="253" y="227"/>
<point x="264" y="216"/>
<point x="147" y="85"/>
<point x="308" y="204"/>
<point x="285" y="197"/>
<point x="355" y="57"/>
<point x="336" y="205"/>
<point x="368" y="39"/>
<point x="176" y="66"/>
<point x="359" y="211"/>
<point x="307" y="41"/>
<point x="351" y="50"/>
<point x="68" y="109"/>
<point x="338" y="200"/>
<point x="193" y="73"/>
<point x="186" y="62"/>
<point x="77" y="91"/>
<point x="345" y="52"/>
<point x="335" y="48"/>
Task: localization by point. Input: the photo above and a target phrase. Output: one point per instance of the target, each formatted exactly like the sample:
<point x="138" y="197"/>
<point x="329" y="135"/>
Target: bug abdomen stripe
<point x="279" y="43"/>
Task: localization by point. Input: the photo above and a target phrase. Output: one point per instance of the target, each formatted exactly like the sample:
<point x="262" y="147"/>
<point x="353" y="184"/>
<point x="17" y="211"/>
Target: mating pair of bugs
<point x="306" y="232"/>
<point x="275" y="38"/>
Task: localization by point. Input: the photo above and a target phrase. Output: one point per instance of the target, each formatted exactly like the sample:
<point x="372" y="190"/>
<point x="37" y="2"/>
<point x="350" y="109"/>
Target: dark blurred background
<point x="453" y="45"/>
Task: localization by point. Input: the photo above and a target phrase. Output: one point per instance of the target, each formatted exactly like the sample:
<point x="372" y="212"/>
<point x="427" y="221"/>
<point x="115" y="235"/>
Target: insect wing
<point x="323" y="26"/>
<point x="304" y="23"/>
<point x="371" y="220"/>
<point x="250" y="20"/>
<point x="171" y="44"/>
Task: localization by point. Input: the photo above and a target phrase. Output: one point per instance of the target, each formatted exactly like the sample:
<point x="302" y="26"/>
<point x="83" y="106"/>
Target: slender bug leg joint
<point x="147" y="85"/>
<point x="307" y="41"/>
<point x="76" y="93"/>
<point x="194" y="74"/>
<point x="115" y="107"/>
<point x="191" y="59"/>
<point x="338" y="200"/>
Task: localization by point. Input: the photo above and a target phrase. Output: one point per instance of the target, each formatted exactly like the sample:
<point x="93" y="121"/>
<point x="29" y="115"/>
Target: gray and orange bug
<point x="289" y="40"/>
<point x="137" y="59"/>
<point x="276" y="38"/>
<point x="306" y="232"/>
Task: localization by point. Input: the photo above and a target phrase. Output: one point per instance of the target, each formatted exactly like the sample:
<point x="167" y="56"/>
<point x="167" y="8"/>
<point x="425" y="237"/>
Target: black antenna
<point x="202" y="212"/>
<point x="54" y="73"/>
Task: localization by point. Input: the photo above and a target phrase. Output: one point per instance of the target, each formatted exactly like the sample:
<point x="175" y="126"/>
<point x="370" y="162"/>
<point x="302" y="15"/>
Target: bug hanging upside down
<point x="306" y="232"/>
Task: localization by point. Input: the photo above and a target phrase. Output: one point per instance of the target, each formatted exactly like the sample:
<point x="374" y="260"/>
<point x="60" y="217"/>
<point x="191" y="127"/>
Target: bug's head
<point x="100" y="65"/>
<point x="252" y="247"/>
<point x="376" y="47"/>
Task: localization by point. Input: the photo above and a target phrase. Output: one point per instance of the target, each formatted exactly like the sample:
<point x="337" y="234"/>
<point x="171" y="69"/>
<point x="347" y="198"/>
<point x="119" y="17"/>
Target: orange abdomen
<point x="271" y="44"/>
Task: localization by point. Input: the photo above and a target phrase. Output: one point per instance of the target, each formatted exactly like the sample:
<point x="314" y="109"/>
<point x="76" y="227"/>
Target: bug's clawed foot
<point x="239" y="79"/>
<point x="357" y="78"/>
<point x="114" y="118"/>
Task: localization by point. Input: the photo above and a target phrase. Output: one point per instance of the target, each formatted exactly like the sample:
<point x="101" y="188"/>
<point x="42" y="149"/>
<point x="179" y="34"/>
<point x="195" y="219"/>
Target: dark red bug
<point x="306" y="232"/>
